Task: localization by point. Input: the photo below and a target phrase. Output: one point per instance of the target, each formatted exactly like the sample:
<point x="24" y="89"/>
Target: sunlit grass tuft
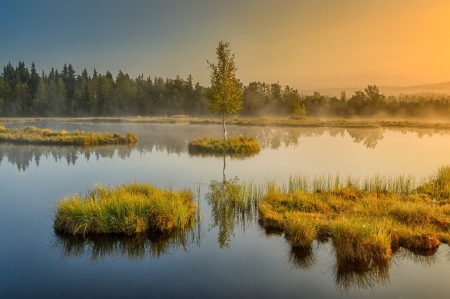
<point x="33" y="135"/>
<point x="366" y="219"/>
<point x="240" y="145"/>
<point x="129" y="209"/>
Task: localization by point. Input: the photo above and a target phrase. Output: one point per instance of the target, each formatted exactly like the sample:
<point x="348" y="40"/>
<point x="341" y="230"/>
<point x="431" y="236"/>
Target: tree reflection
<point x="22" y="155"/>
<point x="232" y="206"/>
<point x="174" y="138"/>
<point x="369" y="137"/>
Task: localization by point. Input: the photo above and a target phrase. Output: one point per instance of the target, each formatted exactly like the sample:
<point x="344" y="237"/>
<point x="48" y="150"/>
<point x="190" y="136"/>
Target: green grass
<point x="127" y="209"/>
<point x="240" y="145"/>
<point x="367" y="220"/>
<point x="33" y="135"/>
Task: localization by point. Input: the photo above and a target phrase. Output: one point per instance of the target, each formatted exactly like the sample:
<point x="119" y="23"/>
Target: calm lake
<point x="248" y="262"/>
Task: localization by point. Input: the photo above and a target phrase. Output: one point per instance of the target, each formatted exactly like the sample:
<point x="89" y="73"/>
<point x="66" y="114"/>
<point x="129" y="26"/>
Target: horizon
<point x="304" y="44"/>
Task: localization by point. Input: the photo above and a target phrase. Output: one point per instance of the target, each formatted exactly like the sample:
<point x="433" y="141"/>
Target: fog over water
<point x="219" y="257"/>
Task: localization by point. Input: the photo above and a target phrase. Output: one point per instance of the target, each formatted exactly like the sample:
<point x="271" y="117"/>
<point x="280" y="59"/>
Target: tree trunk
<point x="224" y="128"/>
<point x="224" y="166"/>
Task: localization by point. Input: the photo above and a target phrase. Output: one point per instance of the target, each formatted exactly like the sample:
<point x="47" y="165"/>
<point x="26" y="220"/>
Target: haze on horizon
<point x="305" y="44"/>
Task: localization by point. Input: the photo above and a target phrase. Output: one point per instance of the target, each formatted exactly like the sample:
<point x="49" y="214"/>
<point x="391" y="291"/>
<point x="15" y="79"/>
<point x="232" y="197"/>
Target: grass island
<point x="127" y="209"/>
<point x="33" y="135"/>
<point x="367" y="220"/>
<point x="236" y="145"/>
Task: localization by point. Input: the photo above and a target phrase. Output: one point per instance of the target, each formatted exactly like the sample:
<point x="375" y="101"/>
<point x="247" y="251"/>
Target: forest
<point x="26" y="92"/>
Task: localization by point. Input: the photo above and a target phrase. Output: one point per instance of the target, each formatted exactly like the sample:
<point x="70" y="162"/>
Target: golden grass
<point x="33" y="135"/>
<point x="367" y="220"/>
<point x="128" y="209"/>
<point x="239" y="145"/>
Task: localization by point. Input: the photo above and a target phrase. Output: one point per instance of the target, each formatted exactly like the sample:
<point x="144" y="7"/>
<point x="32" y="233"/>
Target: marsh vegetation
<point x="237" y="145"/>
<point x="33" y="135"/>
<point x="366" y="219"/>
<point x="127" y="209"/>
<point x="234" y="240"/>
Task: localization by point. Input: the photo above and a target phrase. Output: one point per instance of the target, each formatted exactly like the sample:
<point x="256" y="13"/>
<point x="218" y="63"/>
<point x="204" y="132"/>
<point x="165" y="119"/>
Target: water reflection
<point x="351" y="276"/>
<point x="368" y="137"/>
<point x="173" y="139"/>
<point x="302" y="257"/>
<point x="133" y="248"/>
<point x="231" y="208"/>
<point x="22" y="155"/>
<point x="360" y="275"/>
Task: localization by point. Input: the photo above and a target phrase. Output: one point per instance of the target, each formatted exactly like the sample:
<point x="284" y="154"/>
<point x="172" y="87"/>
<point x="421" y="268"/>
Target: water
<point x="36" y="263"/>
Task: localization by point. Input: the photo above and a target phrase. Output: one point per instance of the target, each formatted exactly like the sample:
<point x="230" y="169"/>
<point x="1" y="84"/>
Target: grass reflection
<point x="233" y="204"/>
<point x="360" y="275"/>
<point x="133" y="248"/>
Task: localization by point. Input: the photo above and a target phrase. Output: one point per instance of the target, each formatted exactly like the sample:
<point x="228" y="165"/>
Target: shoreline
<point x="282" y="122"/>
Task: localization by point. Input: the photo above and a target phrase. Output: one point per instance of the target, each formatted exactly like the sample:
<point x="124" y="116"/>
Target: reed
<point x="240" y="145"/>
<point x="33" y="135"/>
<point x="127" y="209"/>
<point x="366" y="219"/>
<point x="438" y="184"/>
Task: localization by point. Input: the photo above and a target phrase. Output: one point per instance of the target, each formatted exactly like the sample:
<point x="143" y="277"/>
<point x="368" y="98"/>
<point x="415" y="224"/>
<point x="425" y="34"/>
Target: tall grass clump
<point x="438" y="184"/>
<point x="366" y="219"/>
<point x="33" y="135"/>
<point x="240" y="145"/>
<point x="127" y="209"/>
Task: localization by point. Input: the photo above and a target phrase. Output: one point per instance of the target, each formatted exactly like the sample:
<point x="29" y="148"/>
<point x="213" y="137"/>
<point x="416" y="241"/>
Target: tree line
<point x="26" y="92"/>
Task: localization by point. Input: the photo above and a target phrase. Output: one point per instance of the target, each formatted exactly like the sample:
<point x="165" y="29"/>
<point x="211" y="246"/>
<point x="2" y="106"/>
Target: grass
<point x="239" y="145"/>
<point x="364" y="219"/>
<point x="127" y="209"/>
<point x="367" y="220"/>
<point x="33" y="135"/>
<point x="232" y="204"/>
<point x="302" y="122"/>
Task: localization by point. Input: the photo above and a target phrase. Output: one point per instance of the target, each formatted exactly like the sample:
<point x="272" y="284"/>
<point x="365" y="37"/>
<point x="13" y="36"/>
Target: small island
<point x="367" y="220"/>
<point x="232" y="145"/>
<point x="33" y="135"/>
<point x="127" y="209"/>
<point x="225" y="98"/>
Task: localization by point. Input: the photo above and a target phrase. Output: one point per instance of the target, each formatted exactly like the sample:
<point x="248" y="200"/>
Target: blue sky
<point x="305" y="44"/>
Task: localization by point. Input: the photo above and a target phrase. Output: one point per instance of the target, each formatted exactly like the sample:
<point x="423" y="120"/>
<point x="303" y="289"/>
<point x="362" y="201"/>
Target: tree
<point x="225" y="93"/>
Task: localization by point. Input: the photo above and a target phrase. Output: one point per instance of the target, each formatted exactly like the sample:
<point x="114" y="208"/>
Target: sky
<point x="305" y="44"/>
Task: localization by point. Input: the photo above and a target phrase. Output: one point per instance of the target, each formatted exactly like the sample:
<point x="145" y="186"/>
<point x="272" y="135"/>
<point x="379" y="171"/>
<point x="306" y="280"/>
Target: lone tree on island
<point x="225" y="93"/>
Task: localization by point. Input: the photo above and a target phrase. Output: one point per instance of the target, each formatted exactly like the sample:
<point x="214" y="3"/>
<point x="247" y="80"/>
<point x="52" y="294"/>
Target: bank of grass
<point x="290" y="122"/>
<point x="367" y="220"/>
<point x="33" y="135"/>
<point x="127" y="209"/>
<point x="238" y="145"/>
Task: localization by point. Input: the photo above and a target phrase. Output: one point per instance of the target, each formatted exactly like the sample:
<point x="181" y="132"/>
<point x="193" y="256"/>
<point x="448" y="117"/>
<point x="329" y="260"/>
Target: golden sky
<point x="306" y="44"/>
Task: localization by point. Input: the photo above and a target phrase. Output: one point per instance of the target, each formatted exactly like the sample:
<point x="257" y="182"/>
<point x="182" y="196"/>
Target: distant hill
<point x="386" y="90"/>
